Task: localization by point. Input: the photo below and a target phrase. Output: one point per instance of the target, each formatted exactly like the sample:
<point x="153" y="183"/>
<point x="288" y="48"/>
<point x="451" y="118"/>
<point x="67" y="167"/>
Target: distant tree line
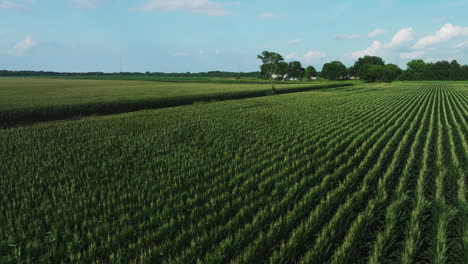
<point x="441" y="70"/>
<point x="367" y="68"/>
<point x="155" y="74"/>
<point x="372" y="68"/>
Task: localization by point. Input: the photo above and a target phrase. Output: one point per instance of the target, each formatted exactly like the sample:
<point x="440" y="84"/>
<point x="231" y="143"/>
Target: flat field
<point x="24" y="100"/>
<point x="191" y="79"/>
<point x="363" y="174"/>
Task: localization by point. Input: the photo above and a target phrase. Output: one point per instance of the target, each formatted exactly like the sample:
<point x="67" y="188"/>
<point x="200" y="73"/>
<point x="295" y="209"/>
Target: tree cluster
<point x="274" y="67"/>
<point x="369" y="69"/>
<point x="374" y="69"/>
<point x="334" y="70"/>
<point x="441" y="70"/>
<point x="274" y="64"/>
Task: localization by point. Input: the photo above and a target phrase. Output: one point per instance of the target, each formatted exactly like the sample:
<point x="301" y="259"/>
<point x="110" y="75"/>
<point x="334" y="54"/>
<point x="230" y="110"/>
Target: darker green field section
<point x="33" y="100"/>
<point x="194" y="79"/>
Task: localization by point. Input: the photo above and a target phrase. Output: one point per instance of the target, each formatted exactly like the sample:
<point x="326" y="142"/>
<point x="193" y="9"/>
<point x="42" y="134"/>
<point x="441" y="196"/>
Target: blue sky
<point x="204" y="35"/>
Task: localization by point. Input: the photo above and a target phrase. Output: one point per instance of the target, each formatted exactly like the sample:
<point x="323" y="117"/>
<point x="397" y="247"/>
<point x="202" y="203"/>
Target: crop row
<point x="39" y="100"/>
<point x="332" y="176"/>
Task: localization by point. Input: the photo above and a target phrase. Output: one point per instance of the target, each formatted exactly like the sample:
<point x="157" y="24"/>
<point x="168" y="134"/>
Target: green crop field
<point x="192" y="79"/>
<point x="363" y="174"/>
<point x="24" y="100"/>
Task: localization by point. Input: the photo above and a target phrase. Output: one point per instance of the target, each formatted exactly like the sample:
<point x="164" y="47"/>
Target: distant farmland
<point x="29" y="100"/>
<point x="362" y="174"/>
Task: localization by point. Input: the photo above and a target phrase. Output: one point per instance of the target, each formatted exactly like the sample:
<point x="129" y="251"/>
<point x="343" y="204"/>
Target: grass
<point x="371" y="173"/>
<point x="24" y="100"/>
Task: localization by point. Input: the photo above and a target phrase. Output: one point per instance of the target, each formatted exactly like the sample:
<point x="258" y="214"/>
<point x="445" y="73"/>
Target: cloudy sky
<point x="204" y="35"/>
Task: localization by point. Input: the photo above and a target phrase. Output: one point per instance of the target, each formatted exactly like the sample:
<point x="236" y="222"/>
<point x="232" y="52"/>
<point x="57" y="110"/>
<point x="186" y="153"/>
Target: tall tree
<point x="456" y="73"/>
<point x="365" y="60"/>
<point x="333" y="70"/>
<point x="371" y="72"/>
<point x="464" y="72"/>
<point x="283" y="68"/>
<point x="415" y="70"/>
<point x="310" y="72"/>
<point x="351" y="71"/>
<point x="390" y="73"/>
<point x="295" y="70"/>
<point x="440" y="70"/>
<point x="272" y="65"/>
<point x="374" y="72"/>
<point x="418" y="66"/>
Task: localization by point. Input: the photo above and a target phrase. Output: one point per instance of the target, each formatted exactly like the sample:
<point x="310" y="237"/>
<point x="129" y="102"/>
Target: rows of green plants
<point x="372" y="174"/>
<point x="30" y="100"/>
<point x="191" y="79"/>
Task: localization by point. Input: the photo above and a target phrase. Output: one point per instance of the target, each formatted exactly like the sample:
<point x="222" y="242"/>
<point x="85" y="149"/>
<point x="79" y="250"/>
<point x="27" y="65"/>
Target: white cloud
<point x="375" y="33"/>
<point x="461" y="45"/>
<point x="269" y="16"/>
<point x="181" y="54"/>
<point x="22" y="47"/>
<point x="374" y="50"/>
<point x="295" y="41"/>
<point x="207" y="7"/>
<point x="12" y="6"/>
<point x="312" y="55"/>
<point x="447" y="32"/>
<point x="412" y="55"/>
<point x="308" y="57"/>
<point x="353" y="36"/>
<point x="377" y="48"/>
<point x="402" y="36"/>
<point x="290" y="56"/>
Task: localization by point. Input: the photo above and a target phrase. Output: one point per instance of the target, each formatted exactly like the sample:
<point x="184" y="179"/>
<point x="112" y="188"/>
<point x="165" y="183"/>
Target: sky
<point x="207" y="35"/>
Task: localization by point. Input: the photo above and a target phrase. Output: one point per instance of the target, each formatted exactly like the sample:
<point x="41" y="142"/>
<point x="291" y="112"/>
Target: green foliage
<point x="441" y="70"/>
<point x="333" y="70"/>
<point x="356" y="69"/>
<point x="371" y="72"/>
<point x="417" y="66"/>
<point x="374" y="73"/>
<point x="273" y="64"/>
<point x="376" y="70"/>
<point x="371" y="173"/>
<point x="390" y="73"/>
<point x="283" y="68"/>
<point x="29" y="100"/>
<point x="352" y="71"/>
<point x="310" y="72"/>
<point x="295" y="70"/>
